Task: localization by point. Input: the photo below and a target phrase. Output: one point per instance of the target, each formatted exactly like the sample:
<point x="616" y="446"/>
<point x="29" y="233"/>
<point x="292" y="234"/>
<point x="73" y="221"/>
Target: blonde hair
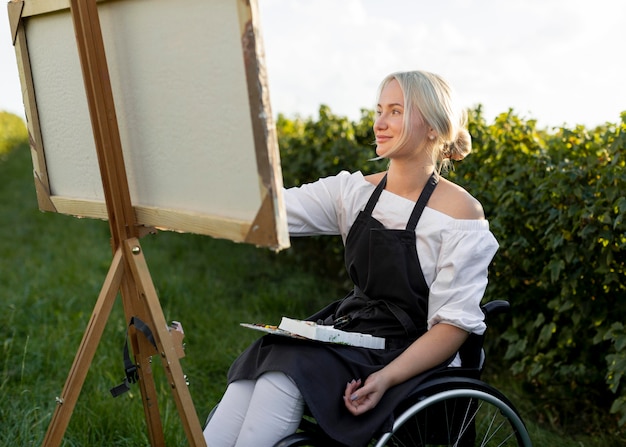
<point x="431" y="96"/>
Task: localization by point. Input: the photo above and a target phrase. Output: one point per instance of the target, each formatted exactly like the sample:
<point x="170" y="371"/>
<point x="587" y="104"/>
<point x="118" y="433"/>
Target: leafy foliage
<point x="555" y="202"/>
<point x="12" y="132"/>
<point x="556" y="205"/>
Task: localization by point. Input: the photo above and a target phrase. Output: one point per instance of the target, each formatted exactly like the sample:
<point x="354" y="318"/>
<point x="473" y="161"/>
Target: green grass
<point x="51" y="271"/>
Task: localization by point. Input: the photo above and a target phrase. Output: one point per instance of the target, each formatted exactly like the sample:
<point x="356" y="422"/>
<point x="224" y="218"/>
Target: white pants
<point x="256" y="413"/>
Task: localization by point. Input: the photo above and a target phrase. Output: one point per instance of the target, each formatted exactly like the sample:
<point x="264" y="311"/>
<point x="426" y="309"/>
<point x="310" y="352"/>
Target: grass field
<point x="51" y="271"/>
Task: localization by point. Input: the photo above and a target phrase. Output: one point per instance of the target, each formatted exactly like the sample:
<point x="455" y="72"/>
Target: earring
<point x="432" y="137"/>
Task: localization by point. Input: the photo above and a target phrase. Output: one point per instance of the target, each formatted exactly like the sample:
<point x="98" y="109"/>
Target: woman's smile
<point x="380" y="139"/>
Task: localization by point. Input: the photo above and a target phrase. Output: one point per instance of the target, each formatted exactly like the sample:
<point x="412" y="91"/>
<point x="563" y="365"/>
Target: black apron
<point x="390" y="299"/>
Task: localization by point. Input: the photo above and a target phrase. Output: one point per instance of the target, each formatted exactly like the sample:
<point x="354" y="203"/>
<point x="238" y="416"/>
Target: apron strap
<point x="422" y="201"/>
<point x="405" y="320"/>
<point x="371" y="203"/>
<point x="419" y="205"/>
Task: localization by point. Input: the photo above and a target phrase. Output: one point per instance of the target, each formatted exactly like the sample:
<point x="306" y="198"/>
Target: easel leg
<point x="165" y="345"/>
<point x="85" y="354"/>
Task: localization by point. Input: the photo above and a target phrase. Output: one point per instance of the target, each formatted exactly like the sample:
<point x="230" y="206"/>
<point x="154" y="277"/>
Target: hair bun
<point x="460" y="147"/>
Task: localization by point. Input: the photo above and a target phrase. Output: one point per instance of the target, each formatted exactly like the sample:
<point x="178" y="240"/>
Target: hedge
<point x="12" y="132"/>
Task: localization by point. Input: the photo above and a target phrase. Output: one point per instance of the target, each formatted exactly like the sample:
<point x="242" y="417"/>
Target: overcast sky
<point x="558" y="61"/>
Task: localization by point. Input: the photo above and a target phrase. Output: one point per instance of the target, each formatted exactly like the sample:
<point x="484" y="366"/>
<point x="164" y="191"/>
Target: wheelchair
<point x="453" y="407"/>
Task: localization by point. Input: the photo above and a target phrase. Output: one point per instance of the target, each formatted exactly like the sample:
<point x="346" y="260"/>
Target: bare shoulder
<point x="453" y="200"/>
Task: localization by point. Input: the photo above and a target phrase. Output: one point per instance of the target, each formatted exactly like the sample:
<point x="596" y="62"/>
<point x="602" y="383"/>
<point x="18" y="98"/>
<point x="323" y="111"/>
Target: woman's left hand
<point x="359" y="399"/>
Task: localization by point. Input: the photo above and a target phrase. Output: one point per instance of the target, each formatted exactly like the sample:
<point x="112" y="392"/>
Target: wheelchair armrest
<point x="471" y="353"/>
<point x="494" y="308"/>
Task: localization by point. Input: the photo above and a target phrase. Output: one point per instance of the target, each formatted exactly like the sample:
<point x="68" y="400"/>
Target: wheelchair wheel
<point x="466" y="413"/>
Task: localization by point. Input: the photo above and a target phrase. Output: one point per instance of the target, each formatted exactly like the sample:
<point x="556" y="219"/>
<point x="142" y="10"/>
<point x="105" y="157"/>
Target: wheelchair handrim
<point x="510" y="413"/>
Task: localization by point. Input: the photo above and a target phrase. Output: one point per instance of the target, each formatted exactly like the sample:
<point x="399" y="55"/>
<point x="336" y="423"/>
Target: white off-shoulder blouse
<point x="454" y="254"/>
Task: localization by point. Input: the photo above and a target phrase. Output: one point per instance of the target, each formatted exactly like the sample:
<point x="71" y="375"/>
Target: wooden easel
<point x="129" y="272"/>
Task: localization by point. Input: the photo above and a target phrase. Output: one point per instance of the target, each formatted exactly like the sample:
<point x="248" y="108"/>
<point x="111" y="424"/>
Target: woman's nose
<point x="380" y="123"/>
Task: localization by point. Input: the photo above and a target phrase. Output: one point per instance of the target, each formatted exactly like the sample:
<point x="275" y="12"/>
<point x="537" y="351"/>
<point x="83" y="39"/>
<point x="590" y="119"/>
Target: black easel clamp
<point x="131" y="369"/>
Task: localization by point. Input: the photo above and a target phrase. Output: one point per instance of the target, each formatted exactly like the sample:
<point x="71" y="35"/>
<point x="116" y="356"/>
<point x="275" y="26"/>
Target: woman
<point x="424" y="305"/>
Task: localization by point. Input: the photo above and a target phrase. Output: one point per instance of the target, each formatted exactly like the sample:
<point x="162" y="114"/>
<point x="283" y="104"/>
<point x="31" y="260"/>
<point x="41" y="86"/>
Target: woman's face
<point x="390" y="114"/>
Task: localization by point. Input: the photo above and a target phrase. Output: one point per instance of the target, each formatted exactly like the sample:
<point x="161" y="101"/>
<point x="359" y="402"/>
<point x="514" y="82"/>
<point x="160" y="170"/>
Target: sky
<point x="560" y="62"/>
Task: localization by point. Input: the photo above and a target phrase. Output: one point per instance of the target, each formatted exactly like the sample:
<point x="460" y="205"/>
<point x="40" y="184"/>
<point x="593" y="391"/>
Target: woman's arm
<point x="437" y="345"/>
<point x="313" y="208"/>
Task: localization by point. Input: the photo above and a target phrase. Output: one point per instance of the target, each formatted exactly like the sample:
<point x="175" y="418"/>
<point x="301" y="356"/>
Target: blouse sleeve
<point x="315" y="208"/>
<point x="461" y="278"/>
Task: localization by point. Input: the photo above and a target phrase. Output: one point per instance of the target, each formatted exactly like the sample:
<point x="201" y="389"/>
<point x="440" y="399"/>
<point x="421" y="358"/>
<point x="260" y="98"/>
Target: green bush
<point x="555" y="202"/>
<point x="12" y="132"/>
